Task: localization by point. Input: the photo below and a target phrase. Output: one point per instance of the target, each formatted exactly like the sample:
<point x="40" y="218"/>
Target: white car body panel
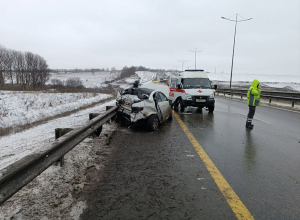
<point x="148" y="105"/>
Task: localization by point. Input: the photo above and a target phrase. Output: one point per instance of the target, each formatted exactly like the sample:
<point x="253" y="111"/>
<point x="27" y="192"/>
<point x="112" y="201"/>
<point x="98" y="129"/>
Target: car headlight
<point x="211" y="96"/>
<point x="188" y="96"/>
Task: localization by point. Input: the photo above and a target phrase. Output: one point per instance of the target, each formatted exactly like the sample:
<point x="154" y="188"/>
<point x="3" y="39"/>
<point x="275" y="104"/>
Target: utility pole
<point x="176" y="67"/>
<point x="236" y="21"/>
<point x="196" y="51"/>
<point x="182" y="61"/>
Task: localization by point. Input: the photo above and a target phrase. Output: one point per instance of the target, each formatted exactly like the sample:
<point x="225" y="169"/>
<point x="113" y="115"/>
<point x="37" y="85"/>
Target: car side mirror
<point x="215" y="87"/>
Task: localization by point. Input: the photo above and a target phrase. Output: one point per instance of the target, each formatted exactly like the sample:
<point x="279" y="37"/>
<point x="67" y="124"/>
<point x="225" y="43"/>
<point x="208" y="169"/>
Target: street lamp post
<point x="195" y="55"/>
<point x="236" y="21"/>
<point x="182" y="61"/>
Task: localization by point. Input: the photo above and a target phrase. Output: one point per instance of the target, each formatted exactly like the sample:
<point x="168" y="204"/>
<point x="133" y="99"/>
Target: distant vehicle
<point x="192" y="88"/>
<point x="143" y="105"/>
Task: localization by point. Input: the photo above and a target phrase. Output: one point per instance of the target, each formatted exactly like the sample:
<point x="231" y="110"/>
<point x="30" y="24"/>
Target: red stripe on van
<point x="177" y="90"/>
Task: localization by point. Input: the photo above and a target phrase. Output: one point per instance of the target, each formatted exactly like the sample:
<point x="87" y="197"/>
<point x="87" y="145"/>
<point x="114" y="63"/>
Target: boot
<point x="249" y="125"/>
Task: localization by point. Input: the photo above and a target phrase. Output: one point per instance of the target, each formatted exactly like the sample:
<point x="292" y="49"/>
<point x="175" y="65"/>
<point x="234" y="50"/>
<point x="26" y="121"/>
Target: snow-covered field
<point x="16" y="146"/>
<point x="20" y="108"/>
<point x="277" y="81"/>
<point x="89" y="79"/>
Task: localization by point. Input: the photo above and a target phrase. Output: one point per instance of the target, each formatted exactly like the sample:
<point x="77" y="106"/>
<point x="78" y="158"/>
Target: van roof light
<point x="194" y="70"/>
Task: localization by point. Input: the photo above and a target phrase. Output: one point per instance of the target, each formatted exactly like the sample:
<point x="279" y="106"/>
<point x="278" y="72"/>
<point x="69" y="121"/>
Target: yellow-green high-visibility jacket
<point x="253" y="94"/>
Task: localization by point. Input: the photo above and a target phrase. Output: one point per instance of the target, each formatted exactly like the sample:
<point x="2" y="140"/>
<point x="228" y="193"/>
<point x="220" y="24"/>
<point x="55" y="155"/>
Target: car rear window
<point x="141" y="93"/>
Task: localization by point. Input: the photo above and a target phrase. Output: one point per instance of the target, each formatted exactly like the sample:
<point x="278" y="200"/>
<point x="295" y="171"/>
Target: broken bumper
<point x="128" y="116"/>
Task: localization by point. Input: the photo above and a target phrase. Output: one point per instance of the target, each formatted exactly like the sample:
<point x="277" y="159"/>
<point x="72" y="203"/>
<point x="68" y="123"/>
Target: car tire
<point x="211" y="109"/>
<point x="175" y="105"/>
<point x="153" y="122"/>
<point x="182" y="107"/>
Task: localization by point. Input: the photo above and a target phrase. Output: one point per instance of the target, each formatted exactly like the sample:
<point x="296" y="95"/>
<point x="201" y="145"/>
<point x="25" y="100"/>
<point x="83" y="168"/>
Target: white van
<point x="192" y="88"/>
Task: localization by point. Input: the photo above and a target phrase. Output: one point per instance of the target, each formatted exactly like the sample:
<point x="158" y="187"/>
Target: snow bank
<point x="19" y="108"/>
<point x="53" y="194"/>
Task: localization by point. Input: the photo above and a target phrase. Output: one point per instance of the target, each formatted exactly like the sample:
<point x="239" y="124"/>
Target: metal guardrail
<point x="17" y="175"/>
<point x="275" y="95"/>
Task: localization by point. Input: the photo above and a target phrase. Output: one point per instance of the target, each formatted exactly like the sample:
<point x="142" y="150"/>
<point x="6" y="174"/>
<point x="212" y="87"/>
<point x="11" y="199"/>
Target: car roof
<point x="145" y="90"/>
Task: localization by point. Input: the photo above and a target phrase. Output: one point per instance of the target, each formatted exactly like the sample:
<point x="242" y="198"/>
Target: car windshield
<point x="141" y="93"/>
<point x="196" y="83"/>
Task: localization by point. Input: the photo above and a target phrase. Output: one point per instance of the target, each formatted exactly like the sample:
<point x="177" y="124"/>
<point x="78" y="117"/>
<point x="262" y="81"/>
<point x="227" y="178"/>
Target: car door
<point x="164" y="105"/>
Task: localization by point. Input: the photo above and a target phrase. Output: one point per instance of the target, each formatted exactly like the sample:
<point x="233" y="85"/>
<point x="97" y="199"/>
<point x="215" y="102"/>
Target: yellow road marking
<point x="237" y="206"/>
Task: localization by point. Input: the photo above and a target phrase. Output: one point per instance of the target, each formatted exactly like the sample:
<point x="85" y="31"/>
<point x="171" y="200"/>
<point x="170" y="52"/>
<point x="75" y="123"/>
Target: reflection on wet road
<point x="262" y="166"/>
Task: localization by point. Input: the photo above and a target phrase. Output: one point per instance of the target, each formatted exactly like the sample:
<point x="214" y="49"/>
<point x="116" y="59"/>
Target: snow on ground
<point x="145" y="76"/>
<point x="20" y="108"/>
<point x="16" y="146"/>
<point x="54" y="193"/>
<point x="277" y="81"/>
<point x="89" y="79"/>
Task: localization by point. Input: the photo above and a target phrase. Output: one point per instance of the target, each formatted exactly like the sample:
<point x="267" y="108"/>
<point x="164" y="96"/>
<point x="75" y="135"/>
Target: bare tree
<point x="3" y="52"/>
<point x="74" y="82"/>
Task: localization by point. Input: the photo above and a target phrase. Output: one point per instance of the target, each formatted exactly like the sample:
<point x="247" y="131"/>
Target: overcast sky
<point x="156" y="33"/>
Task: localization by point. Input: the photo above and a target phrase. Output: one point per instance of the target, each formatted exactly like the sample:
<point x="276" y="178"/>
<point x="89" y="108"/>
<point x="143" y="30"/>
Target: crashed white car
<point x="143" y="105"/>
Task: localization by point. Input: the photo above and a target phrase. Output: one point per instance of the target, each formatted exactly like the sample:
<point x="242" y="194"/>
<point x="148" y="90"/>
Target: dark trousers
<point x="251" y="111"/>
<point x="250" y="114"/>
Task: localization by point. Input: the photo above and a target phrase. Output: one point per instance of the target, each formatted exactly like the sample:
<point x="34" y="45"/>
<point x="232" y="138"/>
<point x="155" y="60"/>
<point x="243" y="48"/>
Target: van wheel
<point x="175" y="105"/>
<point x="153" y="122"/>
<point x="171" y="116"/>
<point x="211" y="109"/>
<point x="182" y="107"/>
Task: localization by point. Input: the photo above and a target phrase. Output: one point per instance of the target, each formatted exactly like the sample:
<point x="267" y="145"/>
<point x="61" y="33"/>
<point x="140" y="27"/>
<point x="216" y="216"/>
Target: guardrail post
<point x="99" y="130"/>
<point x="107" y="108"/>
<point x="58" y="133"/>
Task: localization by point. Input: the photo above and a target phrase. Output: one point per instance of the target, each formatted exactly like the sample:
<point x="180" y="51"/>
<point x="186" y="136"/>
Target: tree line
<point x="23" y="69"/>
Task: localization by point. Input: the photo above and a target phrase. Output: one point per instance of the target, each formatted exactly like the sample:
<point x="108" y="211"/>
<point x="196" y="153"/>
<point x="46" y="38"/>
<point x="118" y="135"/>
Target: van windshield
<point x="196" y="83"/>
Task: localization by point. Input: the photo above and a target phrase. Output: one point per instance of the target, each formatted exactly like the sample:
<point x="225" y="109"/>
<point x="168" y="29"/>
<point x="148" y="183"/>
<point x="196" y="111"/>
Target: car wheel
<point x="153" y="122"/>
<point x="211" y="109"/>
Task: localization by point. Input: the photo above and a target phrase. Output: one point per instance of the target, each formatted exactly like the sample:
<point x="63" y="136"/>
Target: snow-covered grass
<point x="277" y="81"/>
<point x="20" y="108"/>
<point x="89" y="79"/>
<point x="16" y="146"/>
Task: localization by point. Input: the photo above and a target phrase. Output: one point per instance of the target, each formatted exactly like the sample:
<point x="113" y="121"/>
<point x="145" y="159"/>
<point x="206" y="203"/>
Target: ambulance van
<point x="192" y="88"/>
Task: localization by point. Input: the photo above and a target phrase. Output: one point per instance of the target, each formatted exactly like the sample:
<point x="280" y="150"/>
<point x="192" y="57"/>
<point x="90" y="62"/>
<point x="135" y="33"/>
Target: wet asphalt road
<point x="159" y="175"/>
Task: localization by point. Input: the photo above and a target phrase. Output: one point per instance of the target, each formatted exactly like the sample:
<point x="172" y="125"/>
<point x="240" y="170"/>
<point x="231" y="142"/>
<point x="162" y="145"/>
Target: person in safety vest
<point x="253" y="96"/>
